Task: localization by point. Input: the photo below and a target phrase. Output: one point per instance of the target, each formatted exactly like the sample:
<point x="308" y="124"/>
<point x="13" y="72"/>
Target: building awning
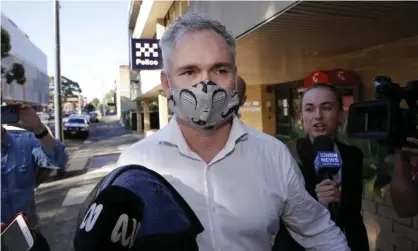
<point x="307" y="36"/>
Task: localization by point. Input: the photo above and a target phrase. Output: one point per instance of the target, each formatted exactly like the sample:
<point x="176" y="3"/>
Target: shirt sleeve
<point x="55" y="158"/>
<point x="308" y="221"/>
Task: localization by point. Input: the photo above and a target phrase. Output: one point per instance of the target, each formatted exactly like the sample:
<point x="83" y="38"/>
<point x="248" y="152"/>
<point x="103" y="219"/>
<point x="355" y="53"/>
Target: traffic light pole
<point x="57" y="79"/>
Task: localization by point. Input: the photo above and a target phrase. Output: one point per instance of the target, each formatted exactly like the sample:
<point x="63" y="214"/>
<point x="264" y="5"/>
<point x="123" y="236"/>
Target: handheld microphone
<point x="327" y="164"/>
<point x="112" y="221"/>
<point x="327" y="161"/>
<point x="135" y="208"/>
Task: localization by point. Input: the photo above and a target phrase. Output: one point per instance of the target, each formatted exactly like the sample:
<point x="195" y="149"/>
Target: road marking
<point x="104" y="169"/>
<point x="77" y="195"/>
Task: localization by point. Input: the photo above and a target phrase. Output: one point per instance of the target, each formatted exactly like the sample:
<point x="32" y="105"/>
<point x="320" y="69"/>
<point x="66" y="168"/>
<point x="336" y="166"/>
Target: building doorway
<point x="287" y="108"/>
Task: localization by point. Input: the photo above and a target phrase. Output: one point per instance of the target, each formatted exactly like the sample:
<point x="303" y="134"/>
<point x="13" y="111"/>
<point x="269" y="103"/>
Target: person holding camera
<point x="22" y="155"/>
<point x="404" y="184"/>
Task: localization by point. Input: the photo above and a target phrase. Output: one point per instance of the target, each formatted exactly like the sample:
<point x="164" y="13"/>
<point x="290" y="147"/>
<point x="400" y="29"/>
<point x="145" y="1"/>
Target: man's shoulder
<point x="145" y="145"/>
<point x="263" y="138"/>
<point x="148" y="141"/>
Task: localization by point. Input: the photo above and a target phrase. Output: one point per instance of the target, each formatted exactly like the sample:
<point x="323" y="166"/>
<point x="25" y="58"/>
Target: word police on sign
<point x="328" y="159"/>
<point x="146" y="54"/>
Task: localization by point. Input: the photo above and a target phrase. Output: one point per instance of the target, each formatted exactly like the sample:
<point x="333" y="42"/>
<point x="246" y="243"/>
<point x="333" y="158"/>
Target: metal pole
<point x="57" y="87"/>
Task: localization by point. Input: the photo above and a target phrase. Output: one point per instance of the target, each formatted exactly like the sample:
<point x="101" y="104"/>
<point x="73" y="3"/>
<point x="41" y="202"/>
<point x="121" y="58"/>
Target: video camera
<point x="383" y="119"/>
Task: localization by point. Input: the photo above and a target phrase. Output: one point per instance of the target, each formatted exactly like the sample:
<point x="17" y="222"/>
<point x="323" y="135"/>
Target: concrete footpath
<point x="60" y="198"/>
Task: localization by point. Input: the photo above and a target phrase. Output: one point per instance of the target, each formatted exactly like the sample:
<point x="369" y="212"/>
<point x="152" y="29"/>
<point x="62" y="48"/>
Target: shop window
<point x="283" y="117"/>
<point x="287" y="108"/>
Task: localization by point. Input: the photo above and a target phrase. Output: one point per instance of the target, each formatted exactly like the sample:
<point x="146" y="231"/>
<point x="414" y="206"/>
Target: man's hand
<point x="411" y="151"/>
<point x="406" y="159"/>
<point x="328" y="191"/>
<point x="28" y="119"/>
<point x="404" y="192"/>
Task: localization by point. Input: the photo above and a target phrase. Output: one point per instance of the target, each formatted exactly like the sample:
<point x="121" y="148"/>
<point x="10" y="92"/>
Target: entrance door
<point x="286" y="95"/>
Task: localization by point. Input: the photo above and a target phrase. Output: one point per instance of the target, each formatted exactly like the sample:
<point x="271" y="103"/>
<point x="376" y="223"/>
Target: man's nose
<point x="205" y="76"/>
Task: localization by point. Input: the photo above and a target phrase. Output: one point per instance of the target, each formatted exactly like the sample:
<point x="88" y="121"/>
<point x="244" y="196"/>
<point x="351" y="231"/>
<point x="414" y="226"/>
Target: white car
<point x="86" y="116"/>
<point x="77" y="126"/>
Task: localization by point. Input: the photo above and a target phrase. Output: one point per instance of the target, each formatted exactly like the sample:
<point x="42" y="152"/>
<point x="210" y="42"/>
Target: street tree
<point x="68" y="86"/>
<point x="109" y="97"/>
<point x="16" y="72"/>
<point x="95" y="102"/>
<point x="90" y="107"/>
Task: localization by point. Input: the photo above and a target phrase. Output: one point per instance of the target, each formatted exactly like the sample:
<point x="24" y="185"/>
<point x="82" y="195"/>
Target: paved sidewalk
<point x="59" y="200"/>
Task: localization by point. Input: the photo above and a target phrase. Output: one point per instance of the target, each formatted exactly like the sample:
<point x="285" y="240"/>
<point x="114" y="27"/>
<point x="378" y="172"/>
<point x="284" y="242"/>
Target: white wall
<point x="239" y="16"/>
<point x="22" y="46"/>
<point x="23" y="51"/>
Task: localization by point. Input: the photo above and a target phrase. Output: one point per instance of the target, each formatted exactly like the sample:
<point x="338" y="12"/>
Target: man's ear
<point x="164" y="83"/>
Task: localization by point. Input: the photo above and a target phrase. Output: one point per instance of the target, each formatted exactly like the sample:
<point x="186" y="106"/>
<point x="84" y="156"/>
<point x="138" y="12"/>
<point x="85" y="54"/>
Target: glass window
<point x="76" y="121"/>
<point x="7" y="62"/>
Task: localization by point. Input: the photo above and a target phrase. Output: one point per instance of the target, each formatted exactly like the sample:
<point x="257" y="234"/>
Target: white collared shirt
<point x="241" y="194"/>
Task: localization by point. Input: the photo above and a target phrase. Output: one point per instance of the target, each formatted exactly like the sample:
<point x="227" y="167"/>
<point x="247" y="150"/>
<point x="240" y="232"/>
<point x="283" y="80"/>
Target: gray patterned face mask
<point x="205" y="105"/>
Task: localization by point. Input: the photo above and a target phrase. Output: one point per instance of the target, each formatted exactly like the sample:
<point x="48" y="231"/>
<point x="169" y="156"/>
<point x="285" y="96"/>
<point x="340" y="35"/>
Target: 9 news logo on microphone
<point x="112" y="221"/>
<point x="326" y="161"/>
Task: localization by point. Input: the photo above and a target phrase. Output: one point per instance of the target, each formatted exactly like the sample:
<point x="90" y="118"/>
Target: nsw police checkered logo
<point x="147" y="50"/>
<point x="146" y="54"/>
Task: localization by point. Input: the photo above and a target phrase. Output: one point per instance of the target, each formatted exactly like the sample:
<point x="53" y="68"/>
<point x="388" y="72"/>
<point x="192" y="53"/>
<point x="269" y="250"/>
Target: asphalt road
<point x="105" y="129"/>
<point x="58" y="199"/>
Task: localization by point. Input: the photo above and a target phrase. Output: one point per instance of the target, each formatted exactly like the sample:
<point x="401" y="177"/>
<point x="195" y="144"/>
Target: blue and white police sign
<point x="146" y="54"/>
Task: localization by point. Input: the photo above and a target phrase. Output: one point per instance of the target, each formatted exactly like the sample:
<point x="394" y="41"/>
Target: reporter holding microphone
<point x="339" y="187"/>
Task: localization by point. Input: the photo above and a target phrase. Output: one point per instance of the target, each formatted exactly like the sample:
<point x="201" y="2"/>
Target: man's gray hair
<point x="190" y="23"/>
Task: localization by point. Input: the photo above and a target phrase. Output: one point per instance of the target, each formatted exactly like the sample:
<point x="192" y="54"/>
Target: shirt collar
<point x="172" y="135"/>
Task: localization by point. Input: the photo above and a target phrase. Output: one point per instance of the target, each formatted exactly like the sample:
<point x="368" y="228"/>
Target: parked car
<point x="94" y="117"/>
<point x="77" y="126"/>
<point x="87" y="117"/>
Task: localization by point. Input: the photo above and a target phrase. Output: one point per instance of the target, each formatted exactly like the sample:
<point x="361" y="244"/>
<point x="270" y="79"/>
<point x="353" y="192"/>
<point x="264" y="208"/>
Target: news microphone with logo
<point x="327" y="164"/>
<point x="112" y="221"/>
<point x="327" y="160"/>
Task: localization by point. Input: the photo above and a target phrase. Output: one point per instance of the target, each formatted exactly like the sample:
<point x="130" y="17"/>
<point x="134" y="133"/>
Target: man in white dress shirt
<point x="239" y="181"/>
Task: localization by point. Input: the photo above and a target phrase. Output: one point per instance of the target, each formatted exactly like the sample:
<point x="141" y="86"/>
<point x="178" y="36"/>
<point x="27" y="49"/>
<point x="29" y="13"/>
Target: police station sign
<point x="146" y="54"/>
